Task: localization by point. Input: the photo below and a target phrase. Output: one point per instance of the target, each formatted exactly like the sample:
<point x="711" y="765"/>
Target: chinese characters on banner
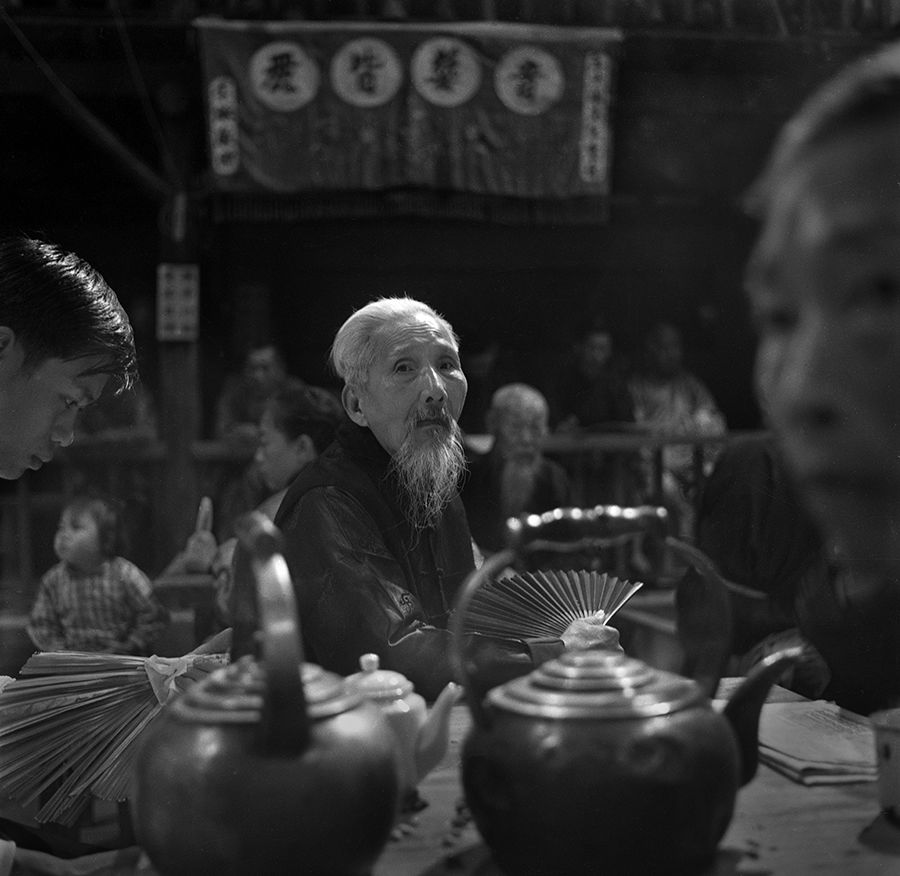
<point x="177" y="301"/>
<point x="495" y="109"/>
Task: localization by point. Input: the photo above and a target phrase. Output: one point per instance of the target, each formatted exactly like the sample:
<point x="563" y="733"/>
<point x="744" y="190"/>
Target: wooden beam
<point x="71" y="107"/>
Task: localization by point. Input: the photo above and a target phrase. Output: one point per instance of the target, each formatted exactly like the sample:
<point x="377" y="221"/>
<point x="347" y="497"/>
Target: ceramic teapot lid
<point x="234" y="694"/>
<point x="379" y="684"/>
<point x="598" y="685"/>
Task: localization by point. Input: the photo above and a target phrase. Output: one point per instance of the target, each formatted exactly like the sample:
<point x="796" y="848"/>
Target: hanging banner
<point x="491" y="109"/>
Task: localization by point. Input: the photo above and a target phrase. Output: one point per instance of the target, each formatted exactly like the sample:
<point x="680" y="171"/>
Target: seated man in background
<point x="590" y="394"/>
<point x="513" y="477"/>
<point x="824" y="284"/>
<point x="376" y="537"/>
<point x="753" y="526"/>
<point x="590" y="390"/>
<point x="670" y="399"/>
<point x="243" y="397"/>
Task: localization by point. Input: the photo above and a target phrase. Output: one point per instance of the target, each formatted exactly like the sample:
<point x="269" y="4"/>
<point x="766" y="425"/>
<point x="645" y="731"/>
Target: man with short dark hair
<point x="243" y="397"/>
<point x="63" y="337"/>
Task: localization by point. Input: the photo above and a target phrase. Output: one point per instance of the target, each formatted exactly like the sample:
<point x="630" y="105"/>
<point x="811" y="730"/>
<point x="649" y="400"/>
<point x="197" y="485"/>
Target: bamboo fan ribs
<point x="70" y="723"/>
<point x="542" y="604"/>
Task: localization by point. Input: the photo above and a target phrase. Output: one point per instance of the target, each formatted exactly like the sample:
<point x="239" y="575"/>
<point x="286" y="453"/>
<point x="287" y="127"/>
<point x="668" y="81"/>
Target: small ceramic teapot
<point x="596" y="761"/>
<point x="267" y="768"/>
<point x="422" y="736"/>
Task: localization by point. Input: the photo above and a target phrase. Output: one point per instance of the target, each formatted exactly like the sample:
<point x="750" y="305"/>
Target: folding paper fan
<point x="544" y="603"/>
<point x="69" y="724"/>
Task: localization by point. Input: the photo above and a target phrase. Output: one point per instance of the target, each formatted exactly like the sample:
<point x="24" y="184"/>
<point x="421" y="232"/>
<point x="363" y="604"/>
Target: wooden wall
<point x="693" y="120"/>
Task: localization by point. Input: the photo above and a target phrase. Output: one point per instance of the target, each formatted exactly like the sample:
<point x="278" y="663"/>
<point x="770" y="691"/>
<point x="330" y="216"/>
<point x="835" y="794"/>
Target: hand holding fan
<point x="544" y="603"/>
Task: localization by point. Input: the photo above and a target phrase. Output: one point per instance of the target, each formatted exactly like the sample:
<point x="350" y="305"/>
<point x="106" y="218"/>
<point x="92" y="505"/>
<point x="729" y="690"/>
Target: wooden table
<point x="194" y="592"/>
<point x="780" y="828"/>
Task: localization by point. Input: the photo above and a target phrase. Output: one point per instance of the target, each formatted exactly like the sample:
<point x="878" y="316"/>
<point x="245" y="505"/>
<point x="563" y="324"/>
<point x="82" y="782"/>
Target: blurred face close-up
<point x="596" y="352"/>
<point x="665" y="351"/>
<point x="520" y="432"/>
<point x="264" y="369"/>
<point x="416" y="385"/>
<point x="278" y="457"/>
<point x="77" y="540"/>
<point x="39" y="406"/>
<point x="824" y="283"/>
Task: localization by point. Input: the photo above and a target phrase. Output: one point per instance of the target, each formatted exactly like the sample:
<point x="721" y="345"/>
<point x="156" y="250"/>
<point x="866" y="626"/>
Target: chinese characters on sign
<point x="595" y="123"/>
<point x="508" y="109"/>
<point x="445" y="71"/>
<point x="366" y="73"/>
<point x="177" y="301"/>
<point x="529" y="80"/>
<point x="284" y="77"/>
<point x="224" y="148"/>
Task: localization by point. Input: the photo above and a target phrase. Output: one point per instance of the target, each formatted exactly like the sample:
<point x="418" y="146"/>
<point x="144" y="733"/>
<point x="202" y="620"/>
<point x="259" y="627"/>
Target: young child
<point x="93" y="600"/>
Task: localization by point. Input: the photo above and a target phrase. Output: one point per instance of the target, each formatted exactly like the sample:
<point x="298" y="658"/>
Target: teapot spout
<point x="743" y="709"/>
<point x="434" y="735"/>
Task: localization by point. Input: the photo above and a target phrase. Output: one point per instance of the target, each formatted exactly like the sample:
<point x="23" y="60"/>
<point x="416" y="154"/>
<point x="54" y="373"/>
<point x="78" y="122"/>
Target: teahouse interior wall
<point x="692" y="117"/>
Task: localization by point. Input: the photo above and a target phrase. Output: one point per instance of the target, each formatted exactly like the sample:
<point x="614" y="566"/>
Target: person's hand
<point x="201" y="546"/>
<point x="591" y="632"/>
<point x="200" y="551"/>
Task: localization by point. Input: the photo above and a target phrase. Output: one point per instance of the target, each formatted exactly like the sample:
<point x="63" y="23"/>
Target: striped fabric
<point x="113" y="609"/>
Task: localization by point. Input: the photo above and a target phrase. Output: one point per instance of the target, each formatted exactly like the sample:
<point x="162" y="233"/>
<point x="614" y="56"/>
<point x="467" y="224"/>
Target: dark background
<point x="692" y="121"/>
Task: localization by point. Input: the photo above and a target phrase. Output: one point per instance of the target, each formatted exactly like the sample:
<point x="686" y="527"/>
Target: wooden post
<point x="179" y="377"/>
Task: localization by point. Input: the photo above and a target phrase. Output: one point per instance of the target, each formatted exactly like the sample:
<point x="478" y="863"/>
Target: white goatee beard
<point x="428" y="474"/>
<point x="517" y="481"/>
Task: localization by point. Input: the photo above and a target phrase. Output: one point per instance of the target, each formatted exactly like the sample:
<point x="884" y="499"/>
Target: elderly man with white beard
<point x="513" y="477"/>
<point x="376" y="537"/>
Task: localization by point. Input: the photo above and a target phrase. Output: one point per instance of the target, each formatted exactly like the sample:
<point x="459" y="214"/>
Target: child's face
<point x="77" y="541"/>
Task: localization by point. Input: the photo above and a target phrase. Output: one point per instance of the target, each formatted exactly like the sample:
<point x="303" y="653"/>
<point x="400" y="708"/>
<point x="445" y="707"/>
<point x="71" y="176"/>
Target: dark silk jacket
<point x="365" y="581"/>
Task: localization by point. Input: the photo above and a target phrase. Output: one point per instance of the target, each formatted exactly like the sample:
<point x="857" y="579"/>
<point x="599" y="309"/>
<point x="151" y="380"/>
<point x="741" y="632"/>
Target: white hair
<point x="355" y="344"/>
<point x="518" y="396"/>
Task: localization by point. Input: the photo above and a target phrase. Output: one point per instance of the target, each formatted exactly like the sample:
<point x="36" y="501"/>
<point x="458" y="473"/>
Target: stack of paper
<point x="817" y="743"/>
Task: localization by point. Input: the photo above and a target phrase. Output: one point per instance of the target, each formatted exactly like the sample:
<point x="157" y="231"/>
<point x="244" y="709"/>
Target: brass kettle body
<point x="596" y="762"/>
<point x="274" y="767"/>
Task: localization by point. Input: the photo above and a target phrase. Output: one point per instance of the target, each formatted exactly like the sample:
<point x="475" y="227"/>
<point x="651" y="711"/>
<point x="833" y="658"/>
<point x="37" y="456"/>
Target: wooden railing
<point x="132" y="472"/>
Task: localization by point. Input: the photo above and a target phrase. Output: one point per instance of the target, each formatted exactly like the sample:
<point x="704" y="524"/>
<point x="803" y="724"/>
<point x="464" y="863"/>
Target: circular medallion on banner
<point x="445" y="71"/>
<point x="283" y="76"/>
<point x="529" y="80"/>
<point x="366" y="72"/>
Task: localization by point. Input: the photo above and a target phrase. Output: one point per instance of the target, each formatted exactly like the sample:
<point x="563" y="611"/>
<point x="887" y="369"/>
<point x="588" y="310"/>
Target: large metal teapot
<point x="275" y="768"/>
<point x="595" y="761"/>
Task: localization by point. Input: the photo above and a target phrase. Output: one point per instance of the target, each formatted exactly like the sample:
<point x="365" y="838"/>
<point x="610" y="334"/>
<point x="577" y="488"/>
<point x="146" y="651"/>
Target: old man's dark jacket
<point x="367" y="581"/>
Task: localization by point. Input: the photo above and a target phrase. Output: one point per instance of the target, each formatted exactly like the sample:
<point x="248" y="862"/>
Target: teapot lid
<point x="234" y="694"/>
<point x="596" y="684"/>
<point x="379" y="684"/>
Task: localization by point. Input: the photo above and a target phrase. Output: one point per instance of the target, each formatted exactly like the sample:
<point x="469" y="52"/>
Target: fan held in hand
<point x="544" y="603"/>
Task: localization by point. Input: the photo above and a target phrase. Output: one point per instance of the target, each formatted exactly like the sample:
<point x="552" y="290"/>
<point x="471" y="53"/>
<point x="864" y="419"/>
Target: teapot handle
<point x="285" y="727"/>
<point x="470" y="587"/>
<point x="560" y="531"/>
